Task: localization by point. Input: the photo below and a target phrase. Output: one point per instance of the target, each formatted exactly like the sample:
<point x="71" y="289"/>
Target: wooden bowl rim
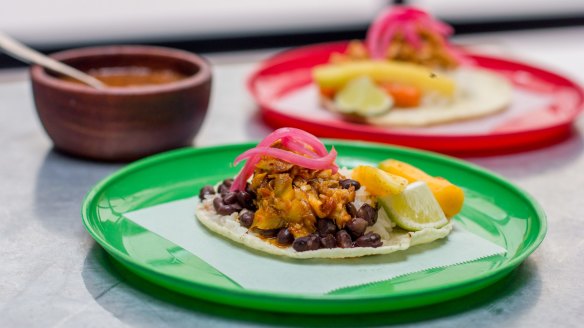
<point x="40" y="75"/>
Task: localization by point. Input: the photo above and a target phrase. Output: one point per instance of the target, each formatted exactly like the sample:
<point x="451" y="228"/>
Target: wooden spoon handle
<point x="21" y="52"/>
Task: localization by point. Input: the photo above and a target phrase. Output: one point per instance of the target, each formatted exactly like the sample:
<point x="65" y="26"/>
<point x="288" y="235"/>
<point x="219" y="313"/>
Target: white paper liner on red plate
<point x="303" y="103"/>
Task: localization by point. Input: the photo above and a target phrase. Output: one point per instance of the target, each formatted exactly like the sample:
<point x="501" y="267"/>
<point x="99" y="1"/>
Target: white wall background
<point x="63" y="22"/>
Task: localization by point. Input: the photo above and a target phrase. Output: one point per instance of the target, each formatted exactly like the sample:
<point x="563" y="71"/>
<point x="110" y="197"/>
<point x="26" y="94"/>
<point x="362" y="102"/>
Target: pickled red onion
<point x="304" y="149"/>
<point x="241" y="179"/>
<point x="375" y="31"/>
<point x="298" y="147"/>
<point x="322" y="163"/>
<point x="405" y="20"/>
<point x="296" y="134"/>
<point x="386" y="38"/>
<point x="411" y="35"/>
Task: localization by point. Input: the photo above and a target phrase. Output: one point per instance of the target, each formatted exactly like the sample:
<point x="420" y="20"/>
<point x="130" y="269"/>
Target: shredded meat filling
<point x="432" y="53"/>
<point x="294" y="197"/>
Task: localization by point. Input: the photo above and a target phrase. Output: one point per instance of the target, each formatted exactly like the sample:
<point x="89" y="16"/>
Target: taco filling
<point x="291" y="199"/>
<point x="406" y="73"/>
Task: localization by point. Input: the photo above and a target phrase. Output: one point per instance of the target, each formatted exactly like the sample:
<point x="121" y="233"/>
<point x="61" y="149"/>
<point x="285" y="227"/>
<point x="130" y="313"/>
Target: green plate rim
<point x="91" y="196"/>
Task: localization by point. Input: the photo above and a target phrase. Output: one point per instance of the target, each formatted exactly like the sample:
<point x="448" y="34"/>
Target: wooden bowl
<point x="123" y="123"/>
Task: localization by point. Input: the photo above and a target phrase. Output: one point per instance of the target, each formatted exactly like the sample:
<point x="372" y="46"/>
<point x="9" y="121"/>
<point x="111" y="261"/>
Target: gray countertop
<point x="55" y="275"/>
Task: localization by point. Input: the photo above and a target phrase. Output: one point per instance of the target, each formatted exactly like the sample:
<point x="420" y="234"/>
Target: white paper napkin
<point x="176" y="222"/>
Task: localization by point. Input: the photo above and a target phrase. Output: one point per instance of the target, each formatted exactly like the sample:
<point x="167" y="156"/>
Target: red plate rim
<point x="496" y="142"/>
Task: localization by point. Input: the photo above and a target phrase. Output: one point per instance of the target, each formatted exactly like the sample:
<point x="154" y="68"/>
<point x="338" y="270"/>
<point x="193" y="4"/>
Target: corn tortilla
<point x="480" y="93"/>
<point x="393" y="241"/>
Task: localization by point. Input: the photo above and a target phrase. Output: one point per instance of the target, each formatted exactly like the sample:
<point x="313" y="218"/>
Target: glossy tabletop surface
<point x="55" y="275"/>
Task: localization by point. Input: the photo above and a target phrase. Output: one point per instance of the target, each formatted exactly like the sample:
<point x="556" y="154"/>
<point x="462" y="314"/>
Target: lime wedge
<point x="362" y="97"/>
<point x="415" y="208"/>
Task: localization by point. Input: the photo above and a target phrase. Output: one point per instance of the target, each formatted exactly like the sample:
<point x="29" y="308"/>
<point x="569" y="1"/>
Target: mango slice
<point x="449" y="196"/>
<point x="378" y="182"/>
<point x="335" y="76"/>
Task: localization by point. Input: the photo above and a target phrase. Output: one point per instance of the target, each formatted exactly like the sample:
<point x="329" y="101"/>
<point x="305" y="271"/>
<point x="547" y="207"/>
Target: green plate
<point x="494" y="209"/>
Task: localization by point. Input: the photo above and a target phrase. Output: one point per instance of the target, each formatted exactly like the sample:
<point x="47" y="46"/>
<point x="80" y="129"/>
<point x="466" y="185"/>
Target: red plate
<point x="542" y="112"/>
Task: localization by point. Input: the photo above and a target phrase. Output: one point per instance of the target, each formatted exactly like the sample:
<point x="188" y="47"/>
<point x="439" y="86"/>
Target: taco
<point x="406" y="74"/>
<point x="292" y="200"/>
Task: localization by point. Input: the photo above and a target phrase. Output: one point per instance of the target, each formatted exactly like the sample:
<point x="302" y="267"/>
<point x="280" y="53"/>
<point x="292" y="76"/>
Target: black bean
<point x="223" y="189"/>
<point x="285" y="237"/>
<point x="347" y="183"/>
<point x="230" y="198"/>
<point x="223" y="209"/>
<point x="206" y="190"/>
<point x="228" y="182"/>
<point x="367" y="213"/>
<point x="356" y="227"/>
<point x="245" y="200"/>
<point x="307" y="243"/>
<point x="351" y="209"/>
<point x="370" y="239"/>
<point x="268" y="233"/>
<point x="328" y="241"/>
<point x="344" y="239"/>
<point x="315" y="239"/>
<point x="246" y="218"/>
<point x="326" y="227"/>
<point x="248" y="189"/>
<point x="217" y="203"/>
<point x="236" y="207"/>
<point x="301" y="244"/>
<point x="226" y="210"/>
